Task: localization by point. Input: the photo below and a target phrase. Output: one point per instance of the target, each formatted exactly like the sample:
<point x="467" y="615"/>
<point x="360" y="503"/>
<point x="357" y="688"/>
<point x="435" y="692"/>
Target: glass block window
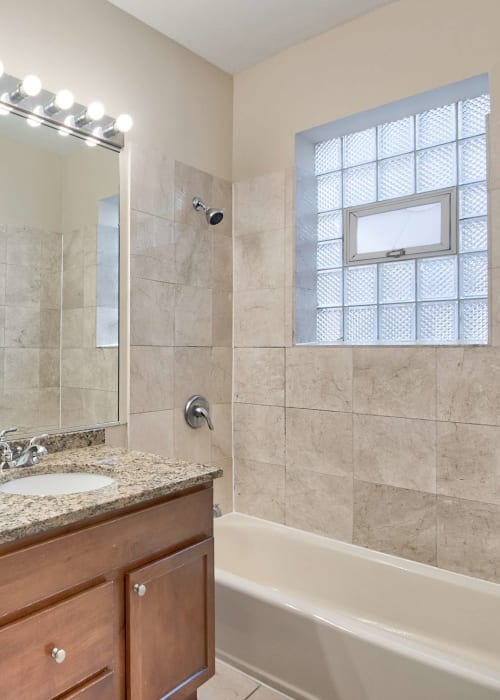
<point x="437" y="296"/>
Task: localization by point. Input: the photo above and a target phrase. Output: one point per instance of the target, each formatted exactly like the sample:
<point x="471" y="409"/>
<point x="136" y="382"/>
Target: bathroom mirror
<point x="59" y="279"/>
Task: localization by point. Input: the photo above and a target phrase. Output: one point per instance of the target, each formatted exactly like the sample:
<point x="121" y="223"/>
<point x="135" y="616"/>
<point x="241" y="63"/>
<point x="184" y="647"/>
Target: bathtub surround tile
<point x="227" y="684"/>
<point x="221" y="375"/>
<point x="469" y="537"/>
<point x="193" y="255"/>
<point x="151" y="312"/>
<point x="189" y="183"/>
<point x="222" y="198"/>
<point x="191" y="374"/>
<point x="395" y="452"/>
<point x="259" y="204"/>
<point x="395" y="382"/>
<point x="259" y="316"/>
<point x="223" y="487"/>
<point x="319" y="441"/>
<point x="396" y="521"/>
<point x="156" y="430"/>
<point x="259" y="489"/>
<point x="151" y="379"/>
<point x="152" y="187"/>
<point x="320" y="503"/>
<point x="152" y="247"/>
<point x="259" y="433"/>
<point x="469" y="385"/>
<point x="190" y="444"/>
<point x="319" y="378"/>
<point x="222" y="261"/>
<point x="222" y="435"/>
<point x="259" y="260"/>
<point x="222" y="318"/>
<point x="468" y="462"/>
<point x="259" y="376"/>
<point x="193" y="316"/>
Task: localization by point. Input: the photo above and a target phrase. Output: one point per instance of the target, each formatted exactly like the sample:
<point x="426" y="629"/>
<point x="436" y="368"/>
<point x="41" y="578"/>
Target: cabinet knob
<point x="58" y="655"/>
<point x="140" y="589"/>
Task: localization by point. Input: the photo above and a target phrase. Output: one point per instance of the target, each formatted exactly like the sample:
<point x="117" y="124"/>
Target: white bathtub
<point x="324" y="620"/>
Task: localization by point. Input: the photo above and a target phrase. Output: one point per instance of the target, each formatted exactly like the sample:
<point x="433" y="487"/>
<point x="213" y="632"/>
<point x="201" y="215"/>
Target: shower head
<point x="213" y="216"/>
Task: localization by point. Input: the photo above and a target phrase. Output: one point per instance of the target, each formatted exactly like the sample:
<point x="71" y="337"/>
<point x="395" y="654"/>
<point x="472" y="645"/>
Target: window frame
<point x="447" y="197"/>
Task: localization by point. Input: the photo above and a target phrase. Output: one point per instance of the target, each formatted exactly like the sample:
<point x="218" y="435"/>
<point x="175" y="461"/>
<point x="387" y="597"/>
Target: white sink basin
<point x="56" y="484"/>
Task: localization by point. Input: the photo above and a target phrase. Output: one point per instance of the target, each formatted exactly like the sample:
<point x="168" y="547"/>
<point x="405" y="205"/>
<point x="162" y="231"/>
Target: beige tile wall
<point x="396" y="449"/>
<point x="181" y="313"/>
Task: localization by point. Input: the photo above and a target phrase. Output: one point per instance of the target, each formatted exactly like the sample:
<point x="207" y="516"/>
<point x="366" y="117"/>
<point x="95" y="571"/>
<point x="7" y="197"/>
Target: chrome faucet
<point x="28" y="457"/>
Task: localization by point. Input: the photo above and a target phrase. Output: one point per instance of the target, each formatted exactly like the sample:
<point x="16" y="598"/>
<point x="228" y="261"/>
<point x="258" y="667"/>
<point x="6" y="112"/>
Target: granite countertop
<point x="138" y="477"/>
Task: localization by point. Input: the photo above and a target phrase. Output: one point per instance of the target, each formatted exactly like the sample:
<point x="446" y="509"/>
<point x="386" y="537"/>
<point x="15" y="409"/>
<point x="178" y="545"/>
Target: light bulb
<point x="95" y="111"/>
<point x="1" y="69"/>
<point x="124" y="123"/>
<point x="64" y="100"/>
<point x="3" y="108"/>
<point x="31" y="85"/>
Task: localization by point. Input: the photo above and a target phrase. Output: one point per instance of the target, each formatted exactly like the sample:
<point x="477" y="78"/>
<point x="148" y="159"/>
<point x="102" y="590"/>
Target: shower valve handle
<point x="197" y="412"/>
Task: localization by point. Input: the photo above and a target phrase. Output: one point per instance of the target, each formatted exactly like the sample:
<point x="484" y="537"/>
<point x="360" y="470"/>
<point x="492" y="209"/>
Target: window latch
<point x="395" y="253"/>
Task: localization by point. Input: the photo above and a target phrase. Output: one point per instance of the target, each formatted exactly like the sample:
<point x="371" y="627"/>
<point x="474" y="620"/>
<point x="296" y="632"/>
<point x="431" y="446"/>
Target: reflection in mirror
<point x="59" y="271"/>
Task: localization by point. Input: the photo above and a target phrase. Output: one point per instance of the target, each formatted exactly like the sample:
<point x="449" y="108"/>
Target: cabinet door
<point x="170" y="625"/>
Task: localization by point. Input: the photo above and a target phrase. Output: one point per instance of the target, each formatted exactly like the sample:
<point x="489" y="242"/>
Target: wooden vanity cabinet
<point x="121" y="609"/>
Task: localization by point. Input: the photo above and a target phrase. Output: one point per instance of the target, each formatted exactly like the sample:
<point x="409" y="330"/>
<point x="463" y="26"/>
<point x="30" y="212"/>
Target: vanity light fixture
<point x="122" y="124"/>
<point x="37" y="118"/>
<point x="31" y="86"/>
<point x="63" y="101"/>
<point x="93" y="113"/>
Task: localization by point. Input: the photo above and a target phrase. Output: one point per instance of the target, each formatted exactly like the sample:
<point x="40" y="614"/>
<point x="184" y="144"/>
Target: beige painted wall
<point x="395" y="449"/>
<point x="399" y="50"/>
<point x="179" y="102"/>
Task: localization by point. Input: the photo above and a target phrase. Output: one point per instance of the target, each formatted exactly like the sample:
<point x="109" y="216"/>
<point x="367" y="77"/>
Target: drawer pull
<point x="140" y="589"/>
<point x="58" y="655"/>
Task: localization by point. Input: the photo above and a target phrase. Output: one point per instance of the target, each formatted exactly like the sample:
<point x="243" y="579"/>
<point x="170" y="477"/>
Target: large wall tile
<point x="319" y="378"/>
<point x="152" y="247"/>
<point x="319" y="441"/>
<point x="190" y="183"/>
<point x="152" y="187"/>
<point x="395" y="521"/>
<point x="259" y="433"/>
<point x="395" y="382"/>
<point x="468" y="461"/>
<point x="193" y="316"/>
<point x="223" y="487"/>
<point x="222" y="318"/>
<point x="469" y="385"/>
<point x="259" y="376"/>
<point x="259" y="318"/>
<point x="191" y="374"/>
<point x="259" y="489"/>
<point x="151" y="379"/>
<point x="151" y="312"/>
<point x="222" y="435"/>
<point x="221" y="375"/>
<point x="191" y="444"/>
<point x="193" y="255"/>
<point x="152" y="432"/>
<point x="259" y="260"/>
<point x="259" y="204"/>
<point x="222" y="261"/>
<point x="320" y="503"/>
<point x="222" y="198"/>
<point x="395" y="451"/>
<point x="469" y="537"/>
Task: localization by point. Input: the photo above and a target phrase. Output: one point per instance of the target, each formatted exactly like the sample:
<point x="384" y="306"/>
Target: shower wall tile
<point x="221" y="375"/>
<point x="193" y="316"/>
<point x="468" y="462"/>
<point x="468" y="537"/>
<point x="151" y="379"/>
<point x="222" y="442"/>
<point x="222" y="261"/>
<point x="190" y="183"/>
<point x="222" y="198"/>
<point x="259" y="260"/>
<point x="395" y="521"/>
<point x="395" y="381"/>
<point x="152" y="183"/>
<point x="259" y="204"/>
<point x="190" y="444"/>
<point x="154" y="429"/>
<point x="259" y="489"/>
<point x="151" y="312"/>
<point x="152" y="247"/>
<point x="192" y="373"/>
<point x="319" y="378"/>
<point x="469" y="385"/>
<point x="320" y="503"/>
<point x="319" y="441"/>
<point x="259" y="376"/>
<point x="395" y="452"/>
<point x="222" y="318"/>
<point x="193" y="255"/>
<point x="259" y="433"/>
<point x="259" y="318"/>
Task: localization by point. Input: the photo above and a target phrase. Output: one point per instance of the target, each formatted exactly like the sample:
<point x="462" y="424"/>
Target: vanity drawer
<point x="100" y="688"/>
<point x="82" y="626"/>
<point x="35" y="573"/>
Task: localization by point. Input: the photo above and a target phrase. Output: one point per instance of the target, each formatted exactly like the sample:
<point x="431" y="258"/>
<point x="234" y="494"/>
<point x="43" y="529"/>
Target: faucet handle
<point x="35" y="440"/>
<point x="4" y="432"/>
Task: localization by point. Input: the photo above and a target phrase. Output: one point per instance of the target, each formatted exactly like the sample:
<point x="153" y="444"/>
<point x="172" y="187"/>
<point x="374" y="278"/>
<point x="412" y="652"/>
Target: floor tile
<point x="227" y="684"/>
<point x="263" y="693"/>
